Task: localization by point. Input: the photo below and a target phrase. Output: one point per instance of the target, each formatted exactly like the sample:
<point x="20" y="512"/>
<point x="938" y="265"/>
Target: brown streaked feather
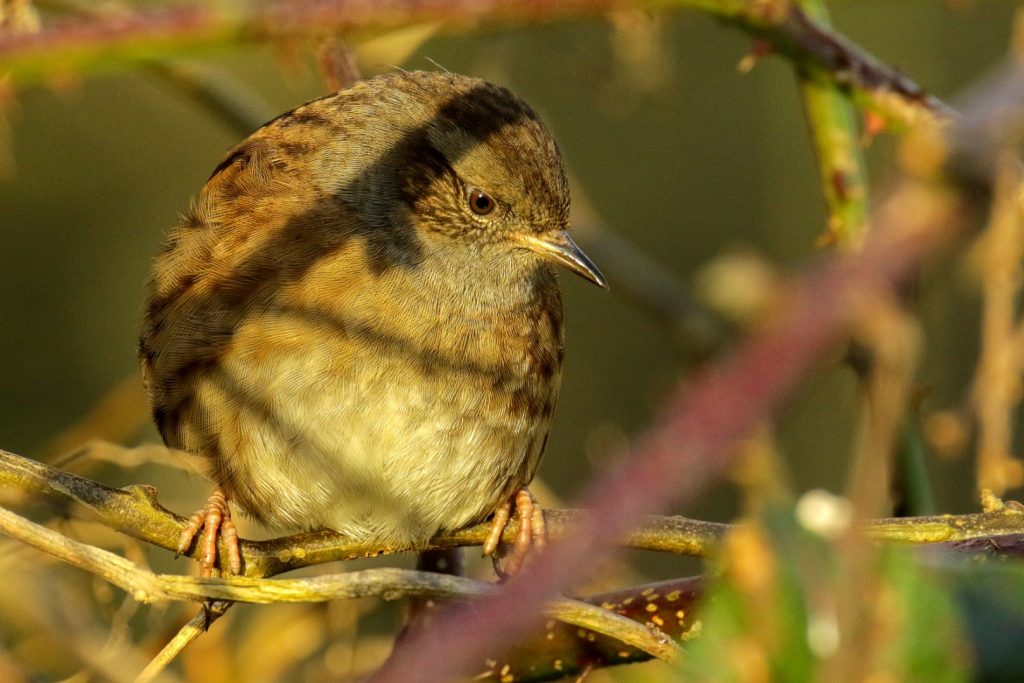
<point x="340" y="336"/>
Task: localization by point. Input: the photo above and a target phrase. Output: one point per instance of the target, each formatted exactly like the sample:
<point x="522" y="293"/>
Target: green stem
<point x="832" y="121"/>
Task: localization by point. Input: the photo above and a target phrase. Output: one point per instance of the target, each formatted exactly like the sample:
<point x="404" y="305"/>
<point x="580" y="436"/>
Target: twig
<point x="831" y="57"/>
<point x="337" y="64"/>
<point x="389" y="584"/>
<point x="185" y="636"/>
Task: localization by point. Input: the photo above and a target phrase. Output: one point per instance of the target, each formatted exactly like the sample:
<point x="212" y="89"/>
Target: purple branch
<point x="689" y="446"/>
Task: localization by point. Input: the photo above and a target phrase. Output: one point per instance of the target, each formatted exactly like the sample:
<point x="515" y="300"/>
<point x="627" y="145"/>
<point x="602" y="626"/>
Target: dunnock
<point x="359" y="323"/>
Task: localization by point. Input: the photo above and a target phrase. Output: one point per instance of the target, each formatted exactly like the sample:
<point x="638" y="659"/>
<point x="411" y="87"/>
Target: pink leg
<point x="498" y="524"/>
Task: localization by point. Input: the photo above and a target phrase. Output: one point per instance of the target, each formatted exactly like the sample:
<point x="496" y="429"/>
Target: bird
<point x="358" y="322"/>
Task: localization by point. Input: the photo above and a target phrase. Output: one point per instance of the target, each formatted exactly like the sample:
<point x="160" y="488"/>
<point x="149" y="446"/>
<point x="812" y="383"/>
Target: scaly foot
<point x="214" y="519"/>
<point x="531" y="534"/>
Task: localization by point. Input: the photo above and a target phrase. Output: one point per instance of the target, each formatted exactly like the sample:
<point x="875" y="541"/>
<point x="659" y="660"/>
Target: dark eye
<point x="480" y="202"/>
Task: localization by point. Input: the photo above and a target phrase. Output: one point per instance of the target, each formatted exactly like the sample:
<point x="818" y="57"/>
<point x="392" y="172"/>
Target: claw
<point x="214" y="519"/>
<point x="192" y="527"/>
<point x="498" y="524"/>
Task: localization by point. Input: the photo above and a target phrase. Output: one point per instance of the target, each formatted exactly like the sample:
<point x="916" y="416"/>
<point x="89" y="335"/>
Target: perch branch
<point x="386" y="583"/>
<point x="134" y="511"/>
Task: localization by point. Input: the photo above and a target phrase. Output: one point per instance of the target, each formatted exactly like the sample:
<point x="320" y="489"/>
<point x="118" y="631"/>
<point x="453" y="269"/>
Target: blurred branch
<point x="238" y="107"/>
<point x="993" y="119"/>
<point x="912" y="481"/>
<point x="117" y="416"/>
<point x="559" y="650"/>
<point x="889" y="336"/>
<point x="697" y="332"/>
<point x="337" y="64"/>
<point x="996" y="391"/>
<point x="116" y="41"/>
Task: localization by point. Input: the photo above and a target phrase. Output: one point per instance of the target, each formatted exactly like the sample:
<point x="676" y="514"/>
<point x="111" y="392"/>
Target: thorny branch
<point x="118" y="39"/>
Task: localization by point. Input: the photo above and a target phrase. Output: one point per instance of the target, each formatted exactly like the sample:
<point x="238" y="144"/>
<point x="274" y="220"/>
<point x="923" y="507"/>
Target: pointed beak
<point x="560" y="248"/>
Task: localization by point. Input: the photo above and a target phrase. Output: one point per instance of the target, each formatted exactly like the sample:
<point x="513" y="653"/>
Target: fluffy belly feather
<point x="375" y="446"/>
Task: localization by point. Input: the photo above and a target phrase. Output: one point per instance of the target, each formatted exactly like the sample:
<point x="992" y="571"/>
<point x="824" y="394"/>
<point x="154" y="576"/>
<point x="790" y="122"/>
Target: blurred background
<point x="674" y="148"/>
